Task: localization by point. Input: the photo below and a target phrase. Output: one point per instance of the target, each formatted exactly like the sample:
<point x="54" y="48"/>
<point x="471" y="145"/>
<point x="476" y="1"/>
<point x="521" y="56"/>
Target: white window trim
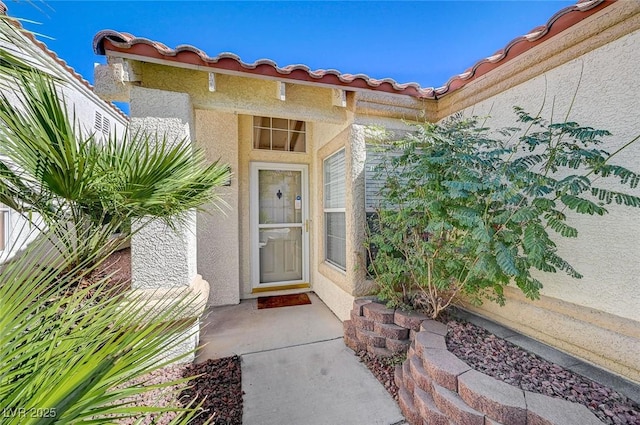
<point x="332" y="210"/>
<point x="6" y="213"/>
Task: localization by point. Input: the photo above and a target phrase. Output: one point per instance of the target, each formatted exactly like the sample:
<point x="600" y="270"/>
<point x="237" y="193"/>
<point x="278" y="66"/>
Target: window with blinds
<point x="334" y="210"/>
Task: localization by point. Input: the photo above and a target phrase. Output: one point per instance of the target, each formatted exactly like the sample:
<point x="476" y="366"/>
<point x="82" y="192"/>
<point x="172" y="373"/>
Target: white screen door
<point x="279" y="208"/>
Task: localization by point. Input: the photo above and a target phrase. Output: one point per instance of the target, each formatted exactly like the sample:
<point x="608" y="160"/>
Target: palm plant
<point x="54" y="169"/>
<point x="70" y="351"/>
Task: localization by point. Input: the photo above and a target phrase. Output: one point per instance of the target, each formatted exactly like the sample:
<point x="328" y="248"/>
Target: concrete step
<point x="449" y="403"/>
<point x="496" y="399"/>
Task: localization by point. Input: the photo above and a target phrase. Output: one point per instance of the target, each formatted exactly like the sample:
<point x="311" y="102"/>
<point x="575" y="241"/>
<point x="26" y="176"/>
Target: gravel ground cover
<point x="383" y="369"/>
<point x="503" y="360"/>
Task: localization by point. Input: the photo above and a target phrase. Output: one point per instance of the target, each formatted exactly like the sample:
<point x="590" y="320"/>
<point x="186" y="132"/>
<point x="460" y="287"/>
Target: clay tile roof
<point x="113" y="41"/>
<point x="72" y="72"/>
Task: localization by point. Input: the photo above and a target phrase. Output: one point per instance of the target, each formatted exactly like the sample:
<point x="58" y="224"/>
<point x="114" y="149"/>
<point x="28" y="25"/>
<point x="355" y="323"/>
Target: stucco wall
<point x="598" y="316"/>
<point x="162" y="257"/>
<point x="219" y="232"/>
<point x="605" y="98"/>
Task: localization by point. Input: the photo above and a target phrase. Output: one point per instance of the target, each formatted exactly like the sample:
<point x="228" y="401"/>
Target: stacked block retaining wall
<point x="436" y="387"/>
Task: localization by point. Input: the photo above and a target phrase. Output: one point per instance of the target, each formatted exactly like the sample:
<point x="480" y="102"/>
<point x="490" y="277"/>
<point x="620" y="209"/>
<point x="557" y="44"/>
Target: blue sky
<point x="417" y="41"/>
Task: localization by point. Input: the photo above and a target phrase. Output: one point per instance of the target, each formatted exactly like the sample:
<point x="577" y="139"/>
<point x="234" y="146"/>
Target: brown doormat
<point x="283" y="301"/>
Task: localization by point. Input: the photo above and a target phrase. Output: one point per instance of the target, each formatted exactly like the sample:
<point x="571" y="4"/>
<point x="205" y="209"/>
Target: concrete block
<point x="434" y="327"/>
<point x="390" y="330"/>
<point x="357" y="305"/>
<point x="354" y="343"/>
<point x="496" y="399"/>
<point x="370" y="338"/>
<point x="407" y="378"/>
<point x="420" y="375"/>
<point x="427" y="408"/>
<point x="378" y="313"/>
<point x="349" y="328"/>
<point x="379" y="351"/>
<point x="409" y="319"/>
<point x="397" y="346"/>
<point x="444" y="367"/>
<point x="361" y="322"/>
<point x="411" y="414"/>
<point x="544" y="410"/>
<point x="427" y="340"/>
<point x="449" y="403"/>
<point x="397" y="376"/>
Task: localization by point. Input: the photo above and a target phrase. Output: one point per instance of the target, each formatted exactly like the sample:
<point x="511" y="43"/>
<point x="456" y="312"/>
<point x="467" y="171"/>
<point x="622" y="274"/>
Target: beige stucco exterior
<point x="588" y="76"/>
<point x="588" y="70"/>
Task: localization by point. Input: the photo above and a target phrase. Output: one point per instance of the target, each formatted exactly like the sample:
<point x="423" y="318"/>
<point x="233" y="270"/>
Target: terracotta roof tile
<point x="109" y="40"/>
<point x="72" y="72"/>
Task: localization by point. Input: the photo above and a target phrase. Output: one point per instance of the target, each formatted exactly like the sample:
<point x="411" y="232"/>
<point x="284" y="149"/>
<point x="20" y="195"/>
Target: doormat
<point x="283" y="301"/>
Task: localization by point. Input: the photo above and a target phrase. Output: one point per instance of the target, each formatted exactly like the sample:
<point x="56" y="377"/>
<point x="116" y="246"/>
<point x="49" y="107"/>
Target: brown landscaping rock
<point x="427" y="408"/>
<point x="411" y="414"/>
<point x="449" y="403"/>
<point x="361" y="322"/>
<point x="545" y="410"/>
<point x="390" y="330"/>
<point x="419" y="375"/>
<point x="357" y="306"/>
<point x="370" y="338"/>
<point x="444" y="367"/>
<point x="397" y="346"/>
<point x="379" y="351"/>
<point x="425" y="340"/>
<point x="434" y="327"/>
<point x="496" y="399"/>
<point x="409" y="319"/>
<point x="378" y="313"/>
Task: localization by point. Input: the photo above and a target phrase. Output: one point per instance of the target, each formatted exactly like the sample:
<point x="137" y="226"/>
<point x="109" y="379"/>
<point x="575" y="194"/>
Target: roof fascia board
<point x="210" y="69"/>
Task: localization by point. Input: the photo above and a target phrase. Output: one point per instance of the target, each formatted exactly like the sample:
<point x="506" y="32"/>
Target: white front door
<point x="279" y="214"/>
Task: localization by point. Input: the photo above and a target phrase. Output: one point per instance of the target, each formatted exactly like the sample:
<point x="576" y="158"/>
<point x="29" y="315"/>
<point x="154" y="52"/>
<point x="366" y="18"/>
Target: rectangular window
<point x="334" y="210"/>
<point x="279" y="134"/>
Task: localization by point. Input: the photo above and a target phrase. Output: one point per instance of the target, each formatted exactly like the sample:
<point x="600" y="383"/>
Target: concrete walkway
<point x="296" y="369"/>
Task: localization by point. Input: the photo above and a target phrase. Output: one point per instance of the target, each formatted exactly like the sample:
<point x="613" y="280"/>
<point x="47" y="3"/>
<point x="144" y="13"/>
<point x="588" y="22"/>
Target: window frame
<point x="271" y="128"/>
<point x="326" y="210"/>
<point x="5" y="213"/>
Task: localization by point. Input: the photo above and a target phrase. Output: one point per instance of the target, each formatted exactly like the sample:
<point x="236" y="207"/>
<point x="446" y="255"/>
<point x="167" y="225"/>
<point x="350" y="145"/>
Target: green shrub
<point x="464" y="213"/>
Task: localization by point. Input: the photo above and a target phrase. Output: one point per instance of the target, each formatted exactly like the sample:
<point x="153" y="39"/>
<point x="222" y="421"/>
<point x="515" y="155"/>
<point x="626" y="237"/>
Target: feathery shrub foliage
<point x="466" y="213"/>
